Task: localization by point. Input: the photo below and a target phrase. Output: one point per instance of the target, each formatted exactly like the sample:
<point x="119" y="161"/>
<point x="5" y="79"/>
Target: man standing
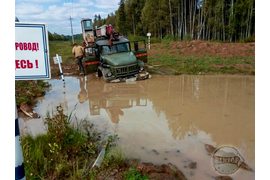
<point x="78" y="52"/>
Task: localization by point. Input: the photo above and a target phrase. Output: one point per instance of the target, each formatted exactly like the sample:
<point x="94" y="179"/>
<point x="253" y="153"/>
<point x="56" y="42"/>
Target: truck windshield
<point x="117" y="48"/>
<point x="88" y="25"/>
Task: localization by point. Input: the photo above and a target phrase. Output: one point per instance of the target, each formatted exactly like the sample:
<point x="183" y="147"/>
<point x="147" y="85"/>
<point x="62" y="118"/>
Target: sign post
<point x="149" y="35"/>
<point x="58" y="59"/>
<point x="32" y="62"/>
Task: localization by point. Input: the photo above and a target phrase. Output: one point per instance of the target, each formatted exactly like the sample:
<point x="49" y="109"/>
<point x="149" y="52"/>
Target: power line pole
<point x="71" y="29"/>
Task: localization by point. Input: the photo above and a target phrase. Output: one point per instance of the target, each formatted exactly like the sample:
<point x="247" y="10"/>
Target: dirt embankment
<point x="202" y="57"/>
<point x="200" y="48"/>
<point x="27" y="91"/>
<point x="142" y="171"/>
<point x="149" y="171"/>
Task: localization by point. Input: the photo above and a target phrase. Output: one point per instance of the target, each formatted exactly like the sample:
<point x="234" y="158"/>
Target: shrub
<point x="187" y="37"/>
<point x="66" y="150"/>
<point x="135" y="175"/>
<point x="248" y="39"/>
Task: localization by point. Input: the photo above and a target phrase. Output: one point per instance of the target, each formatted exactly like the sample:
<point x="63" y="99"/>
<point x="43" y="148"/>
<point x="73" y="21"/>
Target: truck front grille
<point x="126" y="71"/>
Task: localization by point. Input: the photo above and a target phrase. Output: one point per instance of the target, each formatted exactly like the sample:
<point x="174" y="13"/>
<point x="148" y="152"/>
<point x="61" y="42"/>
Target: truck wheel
<point x="99" y="73"/>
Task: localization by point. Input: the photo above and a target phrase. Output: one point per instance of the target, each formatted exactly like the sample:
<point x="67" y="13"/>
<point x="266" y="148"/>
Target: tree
<point x="50" y="36"/>
<point x="171" y="17"/>
<point x="196" y="19"/>
<point x="133" y="11"/>
<point x="111" y="19"/>
<point x="95" y="18"/>
<point x="121" y="18"/>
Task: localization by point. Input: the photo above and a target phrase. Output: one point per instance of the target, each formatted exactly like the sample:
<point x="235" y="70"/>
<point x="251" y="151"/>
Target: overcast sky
<point x="56" y="13"/>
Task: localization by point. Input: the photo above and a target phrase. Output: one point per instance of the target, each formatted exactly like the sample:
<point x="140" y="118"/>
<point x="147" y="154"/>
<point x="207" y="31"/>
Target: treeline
<point x="58" y="37"/>
<point x="224" y="20"/>
<point x="218" y="20"/>
<point x="111" y="19"/>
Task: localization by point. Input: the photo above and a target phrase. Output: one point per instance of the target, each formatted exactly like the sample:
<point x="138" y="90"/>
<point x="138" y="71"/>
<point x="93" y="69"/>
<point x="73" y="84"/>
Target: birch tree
<point x="171" y="17"/>
<point x="202" y="19"/>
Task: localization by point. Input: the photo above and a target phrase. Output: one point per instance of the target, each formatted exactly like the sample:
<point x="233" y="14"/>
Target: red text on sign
<point x="24" y="46"/>
<point x="25" y="64"/>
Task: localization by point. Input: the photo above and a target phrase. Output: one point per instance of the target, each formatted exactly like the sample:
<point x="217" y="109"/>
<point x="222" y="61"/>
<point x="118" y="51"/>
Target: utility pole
<point x="71" y="29"/>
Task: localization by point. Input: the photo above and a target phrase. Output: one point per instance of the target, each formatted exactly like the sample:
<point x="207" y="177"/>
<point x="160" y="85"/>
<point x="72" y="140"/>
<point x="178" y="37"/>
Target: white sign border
<point x="43" y="26"/>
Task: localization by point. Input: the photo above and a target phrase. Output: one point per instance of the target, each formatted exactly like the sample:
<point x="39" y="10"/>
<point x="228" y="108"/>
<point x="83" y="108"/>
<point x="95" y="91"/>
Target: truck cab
<point x="111" y="56"/>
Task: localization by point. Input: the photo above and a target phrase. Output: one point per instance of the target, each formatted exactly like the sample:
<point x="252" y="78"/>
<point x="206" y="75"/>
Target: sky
<point x="56" y="13"/>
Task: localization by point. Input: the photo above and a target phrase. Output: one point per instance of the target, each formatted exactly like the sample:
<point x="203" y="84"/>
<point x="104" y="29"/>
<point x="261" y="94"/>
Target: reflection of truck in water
<point x="113" y="98"/>
<point x="111" y="56"/>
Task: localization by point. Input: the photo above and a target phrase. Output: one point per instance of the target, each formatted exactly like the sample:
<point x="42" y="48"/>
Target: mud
<point x="163" y="172"/>
<point x="165" y="119"/>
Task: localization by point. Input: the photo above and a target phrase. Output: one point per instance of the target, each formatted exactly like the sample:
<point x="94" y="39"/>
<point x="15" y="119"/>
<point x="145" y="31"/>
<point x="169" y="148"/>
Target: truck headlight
<point x="141" y="69"/>
<point x="109" y="74"/>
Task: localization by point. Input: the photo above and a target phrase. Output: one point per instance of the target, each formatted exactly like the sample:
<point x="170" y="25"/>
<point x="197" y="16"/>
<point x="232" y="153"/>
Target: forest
<point x="218" y="20"/>
<point x="212" y="20"/>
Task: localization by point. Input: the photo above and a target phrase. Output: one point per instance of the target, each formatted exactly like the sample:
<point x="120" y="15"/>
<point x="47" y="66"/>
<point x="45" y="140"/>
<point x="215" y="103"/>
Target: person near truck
<point x="78" y="52"/>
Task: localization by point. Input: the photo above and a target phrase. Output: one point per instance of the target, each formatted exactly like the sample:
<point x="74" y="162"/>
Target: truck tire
<point x="99" y="72"/>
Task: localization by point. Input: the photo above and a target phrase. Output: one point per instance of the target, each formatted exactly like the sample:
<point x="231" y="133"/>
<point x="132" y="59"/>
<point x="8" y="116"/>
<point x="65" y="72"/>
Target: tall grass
<point x="65" y="151"/>
<point x="136" y="38"/>
<point x="63" y="49"/>
<point x="28" y="90"/>
<point x="206" y="64"/>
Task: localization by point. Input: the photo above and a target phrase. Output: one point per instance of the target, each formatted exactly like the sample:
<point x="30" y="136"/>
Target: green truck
<point x="113" y="57"/>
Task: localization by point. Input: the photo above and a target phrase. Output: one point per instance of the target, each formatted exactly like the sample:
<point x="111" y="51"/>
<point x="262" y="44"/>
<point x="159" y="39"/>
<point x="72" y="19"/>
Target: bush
<point x="135" y="175"/>
<point x="187" y="37"/>
<point x="65" y="151"/>
<point x="169" y="37"/>
<point x="155" y="40"/>
<point x="136" y="38"/>
<point x="68" y="149"/>
<point x="28" y="90"/>
<point x="248" y="39"/>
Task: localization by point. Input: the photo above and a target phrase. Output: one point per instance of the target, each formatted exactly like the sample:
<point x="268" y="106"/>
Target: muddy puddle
<point x="164" y="119"/>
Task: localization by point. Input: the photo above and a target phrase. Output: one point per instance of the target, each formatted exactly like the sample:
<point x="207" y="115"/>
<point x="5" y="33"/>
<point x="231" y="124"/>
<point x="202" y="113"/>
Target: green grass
<point x="68" y="149"/>
<point x="28" y="90"/>
<point x="132" y="174"/>
<point x="207" y="64"/>
<point x="174" y="62"/>
<point x="63" y="49"/>
<point x="177" y="65"/>
<point x="64" y="151"/>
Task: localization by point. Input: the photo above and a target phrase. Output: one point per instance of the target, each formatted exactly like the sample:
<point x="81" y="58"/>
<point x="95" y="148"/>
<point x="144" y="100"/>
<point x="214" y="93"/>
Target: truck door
<point x="139" y="49"/>
<point x="91" y="60"/>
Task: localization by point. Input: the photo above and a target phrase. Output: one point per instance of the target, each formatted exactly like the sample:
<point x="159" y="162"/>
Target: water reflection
<point x="113" y="98"/>
<point x="166" y="113"/>
<point x="215" y="105"/>
<point x="82" y="96"/>
<point x="222" y="107"/>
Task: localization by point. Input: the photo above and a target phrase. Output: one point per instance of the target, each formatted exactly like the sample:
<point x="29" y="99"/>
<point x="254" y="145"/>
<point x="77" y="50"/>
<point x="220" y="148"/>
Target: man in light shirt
<point x="78" y="52"/>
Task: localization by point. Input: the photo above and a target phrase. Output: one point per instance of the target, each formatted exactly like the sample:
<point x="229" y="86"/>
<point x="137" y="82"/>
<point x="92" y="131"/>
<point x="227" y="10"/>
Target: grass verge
<point x="178" y="57"/>
<point x="26" y="91"/>
<point x="207" y="64"/>
<point x="63" y="49"/>
<point x="69" y="149"/>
